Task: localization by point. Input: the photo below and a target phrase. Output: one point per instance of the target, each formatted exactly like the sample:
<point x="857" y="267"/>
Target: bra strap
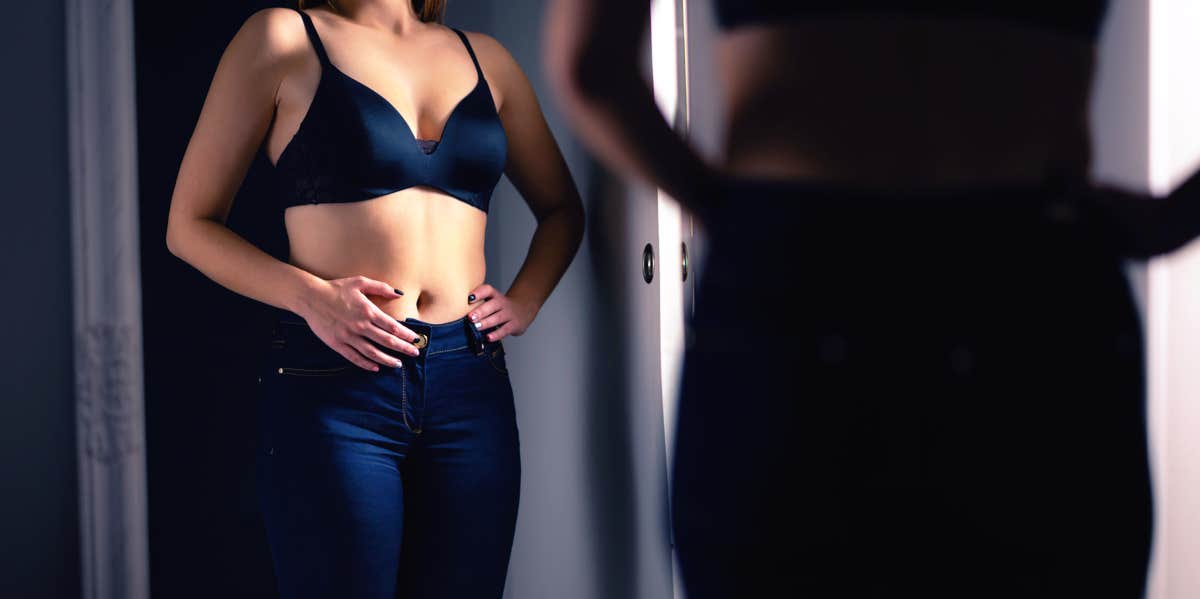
<point x="470" y="51"/>
<point x="313" y="37"/>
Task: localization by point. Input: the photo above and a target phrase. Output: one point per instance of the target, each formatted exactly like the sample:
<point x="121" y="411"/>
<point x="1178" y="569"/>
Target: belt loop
<point x="473" y="335"/>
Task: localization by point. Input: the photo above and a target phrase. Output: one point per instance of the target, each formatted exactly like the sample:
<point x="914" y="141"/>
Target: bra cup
<point x="311" y="169"/>
<point x="353" y="145"/>
<point x="471" y="154"/>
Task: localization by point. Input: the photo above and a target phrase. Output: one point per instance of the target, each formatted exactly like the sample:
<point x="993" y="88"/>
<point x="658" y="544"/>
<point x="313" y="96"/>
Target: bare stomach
<point x="904" y="101"/>
<point x="418" y="240"/>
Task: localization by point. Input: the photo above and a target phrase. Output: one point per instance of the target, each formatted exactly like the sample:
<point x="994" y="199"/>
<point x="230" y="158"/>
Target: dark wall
<point x="39" y="509"/>
<point x="200" y="338"/>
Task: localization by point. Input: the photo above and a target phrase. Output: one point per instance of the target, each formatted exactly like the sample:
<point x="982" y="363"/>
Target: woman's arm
<point x="538" y="171"/>
<point x="233" y="121"/>
<point x="1143" y="226"/>
<point x="591" y="50"/>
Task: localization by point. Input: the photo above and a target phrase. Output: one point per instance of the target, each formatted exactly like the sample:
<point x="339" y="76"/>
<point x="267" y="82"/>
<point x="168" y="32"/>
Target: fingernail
<point x="416" y="339"/>
<point x="398" y="292"/>
<point x="470" y="298"/>
<point x="474" y="317"/>
<point x="478" y="324"/>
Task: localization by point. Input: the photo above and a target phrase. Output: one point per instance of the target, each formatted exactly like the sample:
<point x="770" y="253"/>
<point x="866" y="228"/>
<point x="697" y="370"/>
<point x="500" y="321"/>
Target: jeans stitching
<point x="404" y="400"/>
<point x="442" y="351"/>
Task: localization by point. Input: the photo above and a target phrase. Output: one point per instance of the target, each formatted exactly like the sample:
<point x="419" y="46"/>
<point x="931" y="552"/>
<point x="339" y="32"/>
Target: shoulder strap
<point x="312" y="36"/>
<point x="470" y="51"/>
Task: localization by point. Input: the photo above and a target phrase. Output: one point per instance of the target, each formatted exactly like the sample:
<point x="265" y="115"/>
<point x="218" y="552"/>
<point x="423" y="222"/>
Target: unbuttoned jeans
<point x="398" y="483"/>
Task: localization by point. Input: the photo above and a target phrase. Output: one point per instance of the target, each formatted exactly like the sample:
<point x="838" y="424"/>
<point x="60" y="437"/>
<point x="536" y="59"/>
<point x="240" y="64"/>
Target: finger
<point x="496" y="318"/>
<point x="375" y="354"/>
<point x="357" y="358"/>
<point x="482" y="292"/>
<point x="485" y="309"/>
<point x="374" y="287"/>
<point x="390" y="333"/>
<point x="505" y="330"/>
<point x="386" y="339"/>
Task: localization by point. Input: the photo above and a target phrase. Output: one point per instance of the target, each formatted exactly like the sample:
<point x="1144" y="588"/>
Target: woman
<point x="389" y="453"/>
<point x="917" y="367"/>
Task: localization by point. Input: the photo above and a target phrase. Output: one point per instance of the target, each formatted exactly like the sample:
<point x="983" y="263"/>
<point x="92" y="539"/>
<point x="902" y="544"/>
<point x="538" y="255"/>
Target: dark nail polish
<point x="416" y="339"/>
<point x="398" y="292"/>
<point x="471" y="298"/>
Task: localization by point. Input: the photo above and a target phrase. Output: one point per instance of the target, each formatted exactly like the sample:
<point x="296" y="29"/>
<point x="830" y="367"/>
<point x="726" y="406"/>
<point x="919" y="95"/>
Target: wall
<point x="1174" y="292"/>
<point x="592" y="521"/>
<point x="39" y="530"/>
<point x="1147" y="137"/>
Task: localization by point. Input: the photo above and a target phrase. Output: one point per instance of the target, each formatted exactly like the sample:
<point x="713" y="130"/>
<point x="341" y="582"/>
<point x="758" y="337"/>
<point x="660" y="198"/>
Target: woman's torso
<point x="418" y="239"/>
<point x="904" y="101"/>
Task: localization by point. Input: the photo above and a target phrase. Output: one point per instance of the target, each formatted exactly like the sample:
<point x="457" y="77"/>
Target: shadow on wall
<point x="611" y="484"/>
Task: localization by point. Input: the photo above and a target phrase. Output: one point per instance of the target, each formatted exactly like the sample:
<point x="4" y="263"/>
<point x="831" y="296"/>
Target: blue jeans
<point x="890" y="394"/>
<point x="397" y="483"/>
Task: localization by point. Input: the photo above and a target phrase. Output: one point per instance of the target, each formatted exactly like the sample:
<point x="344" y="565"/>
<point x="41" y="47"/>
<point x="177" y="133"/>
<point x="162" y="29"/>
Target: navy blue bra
<point x="354" y="145"/>
<point x="1080" y="18"/>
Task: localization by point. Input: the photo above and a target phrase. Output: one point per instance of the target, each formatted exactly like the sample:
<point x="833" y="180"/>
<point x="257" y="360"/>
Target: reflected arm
<point x="1148" y="226"/>
<point x="591" y="50"/>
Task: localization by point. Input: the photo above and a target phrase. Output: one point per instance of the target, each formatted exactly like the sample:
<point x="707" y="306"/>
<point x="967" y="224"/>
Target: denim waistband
<point x="437" y="337"/>
<point x="447" y="336"/>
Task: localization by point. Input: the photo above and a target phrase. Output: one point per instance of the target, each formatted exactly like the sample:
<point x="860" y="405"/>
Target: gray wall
<point x="39" y="531"/>
<point x="592" y="517"/>
<point x="1120" y="111"/>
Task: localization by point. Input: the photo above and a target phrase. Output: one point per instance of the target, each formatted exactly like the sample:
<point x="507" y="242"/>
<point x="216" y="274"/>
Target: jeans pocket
<point x="306" y="371"/>
<point x="295" y="355"/>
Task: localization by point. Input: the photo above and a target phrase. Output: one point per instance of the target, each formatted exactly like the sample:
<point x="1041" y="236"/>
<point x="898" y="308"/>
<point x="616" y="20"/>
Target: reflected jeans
<point x="931" y="394"/>
<point x="397" y="483"/>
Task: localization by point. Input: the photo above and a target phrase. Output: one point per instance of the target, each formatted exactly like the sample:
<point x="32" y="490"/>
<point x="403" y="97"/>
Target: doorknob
<point x="684" y="265"/>
<point x="648" y="263"/>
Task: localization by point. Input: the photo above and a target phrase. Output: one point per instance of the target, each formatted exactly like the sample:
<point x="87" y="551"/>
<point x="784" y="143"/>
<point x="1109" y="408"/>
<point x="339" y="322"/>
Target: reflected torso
<point x="904" y="102"/>
<point x="420" y="240"/>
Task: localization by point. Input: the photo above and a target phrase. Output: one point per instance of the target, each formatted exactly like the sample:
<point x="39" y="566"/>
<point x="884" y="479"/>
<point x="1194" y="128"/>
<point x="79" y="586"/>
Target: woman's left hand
<point x="494" y="309"/>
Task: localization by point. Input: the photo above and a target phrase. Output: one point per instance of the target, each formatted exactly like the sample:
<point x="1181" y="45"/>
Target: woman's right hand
<point x="342" y="316"/>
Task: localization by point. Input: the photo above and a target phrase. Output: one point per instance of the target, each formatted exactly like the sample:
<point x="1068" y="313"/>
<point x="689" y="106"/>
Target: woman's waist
<point x="862" y="133"/>
<point x="777" y="238"/>
<point x="901" y="146"/>
<point x="434" y="289"/>
<point x="292" y="335"/>
<point x="868" y="160"/>
<point x="829" y="206"/>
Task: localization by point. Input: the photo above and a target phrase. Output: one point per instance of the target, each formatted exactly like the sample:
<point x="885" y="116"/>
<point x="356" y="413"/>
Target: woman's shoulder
<point x="498" y="64"/>
<point x="490" y="51"/>
<point x="272" y="32"/>
<point x="269" y="44"/>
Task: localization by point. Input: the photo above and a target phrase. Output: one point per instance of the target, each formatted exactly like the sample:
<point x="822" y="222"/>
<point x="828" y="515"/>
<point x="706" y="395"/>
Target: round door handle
<point x="684" y="264"/>
<point x="648" y="263"/>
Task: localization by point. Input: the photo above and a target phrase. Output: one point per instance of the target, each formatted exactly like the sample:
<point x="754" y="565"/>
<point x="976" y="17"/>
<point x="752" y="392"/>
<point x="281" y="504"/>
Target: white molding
<point x="107" y="299"/>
